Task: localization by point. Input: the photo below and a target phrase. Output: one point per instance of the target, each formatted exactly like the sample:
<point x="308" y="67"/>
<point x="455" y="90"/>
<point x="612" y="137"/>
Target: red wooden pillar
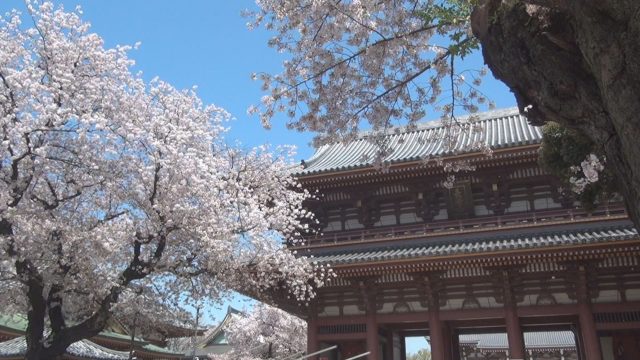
<point x="436" y="331"/>
<point x="588" y="332"/>
<point x="511" y="320"/>
<point x="436" y="335"/>
<point x="514" y="332"/>
<point x="372" y="328"/>
<point x="312" y="332"/>
<point x="446" y="341"/>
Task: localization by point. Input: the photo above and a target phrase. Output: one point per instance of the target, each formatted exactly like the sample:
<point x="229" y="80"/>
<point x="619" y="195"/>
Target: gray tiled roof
<point x="83" y="349"/>
<point x="532" y="340"/>
<point x="529" y="241"/>
<point x="501" y="128"/>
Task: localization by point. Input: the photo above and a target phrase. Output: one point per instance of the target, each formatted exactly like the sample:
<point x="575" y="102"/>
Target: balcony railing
<point x="485" y="223"/>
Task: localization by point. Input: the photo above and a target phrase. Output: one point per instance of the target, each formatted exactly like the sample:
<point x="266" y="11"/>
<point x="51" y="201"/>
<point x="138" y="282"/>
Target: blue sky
<point x="206" y="43"/>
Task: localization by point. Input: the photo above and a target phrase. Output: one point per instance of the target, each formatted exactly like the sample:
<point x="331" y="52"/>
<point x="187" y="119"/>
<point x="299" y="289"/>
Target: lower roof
<point x="547" y="239"/>
<point x="18" y="323"/>
<point x="83" y="349"/>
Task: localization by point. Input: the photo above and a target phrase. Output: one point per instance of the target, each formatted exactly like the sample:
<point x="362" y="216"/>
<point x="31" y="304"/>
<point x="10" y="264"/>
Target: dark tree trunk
<point x="55" y="344"/>
<point x="576" y="62"/>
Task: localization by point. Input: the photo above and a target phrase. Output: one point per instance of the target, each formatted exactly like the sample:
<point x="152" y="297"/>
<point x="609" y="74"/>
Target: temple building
<point x="212" y="341"/>
<point x="505" y="250"/>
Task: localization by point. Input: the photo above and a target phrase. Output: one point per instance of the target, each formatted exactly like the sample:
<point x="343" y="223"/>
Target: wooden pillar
<point x="436" y="333"/>
<point x="372" y="326"/>
<point x="511" y="320"/>
<point x="388" y="349"/>
<point x="447" y="341"/>
<point x="588" y="333"/>
<point x="455" y="343"/>
<point x="312" y="332"/>
<point x="514" y="333"/>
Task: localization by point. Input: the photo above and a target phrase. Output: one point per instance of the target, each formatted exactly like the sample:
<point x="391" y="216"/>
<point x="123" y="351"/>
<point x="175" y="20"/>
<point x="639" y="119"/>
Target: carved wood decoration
<point x="364" y="200"/>
<point x="430" y="286"/>
<point x="368" y="293"/>
<point x="545" y="297"/>
<point x="496" y="193"/>
<point x="369" y="212"/>
<point x="582" y="281"/>
<point x="427" y="202"/>
<point x="508" y="285"/>
<point x="460" y="201"/>
<point x="470" y="301"/>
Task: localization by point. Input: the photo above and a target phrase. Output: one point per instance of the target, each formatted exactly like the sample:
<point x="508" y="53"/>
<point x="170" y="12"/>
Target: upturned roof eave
<point x="412" y="164"/>
<point x="437" y="259"/>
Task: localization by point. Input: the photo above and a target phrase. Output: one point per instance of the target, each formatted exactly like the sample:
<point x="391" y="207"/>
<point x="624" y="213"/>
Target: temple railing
<point x="476" y="224"/>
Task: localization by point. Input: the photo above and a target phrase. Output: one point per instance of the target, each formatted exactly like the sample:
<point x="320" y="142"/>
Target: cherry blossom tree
<point x="378" y="61"/>
<point x="265" y="333"/>
<point x="112" y="187"/>
<point x="385" y="62"/>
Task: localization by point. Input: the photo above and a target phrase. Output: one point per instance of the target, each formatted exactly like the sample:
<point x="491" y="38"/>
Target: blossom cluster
<point x="378" y="61"/>
<point x="586" y="173"/>
<point x="264" y="333"/>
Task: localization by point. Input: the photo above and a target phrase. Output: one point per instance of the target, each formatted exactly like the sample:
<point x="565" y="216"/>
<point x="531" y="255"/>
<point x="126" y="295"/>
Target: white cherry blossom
<point x="381" y="62"/>
<point x="111" y="186"/>
<point x="586" y="173"/>
<point x="265" y="333"/>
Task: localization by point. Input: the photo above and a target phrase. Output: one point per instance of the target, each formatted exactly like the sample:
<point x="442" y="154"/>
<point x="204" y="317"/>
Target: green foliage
<point x="452" y="19"/>
<point x="563" y="150"/>
<point x="422" y="354"/>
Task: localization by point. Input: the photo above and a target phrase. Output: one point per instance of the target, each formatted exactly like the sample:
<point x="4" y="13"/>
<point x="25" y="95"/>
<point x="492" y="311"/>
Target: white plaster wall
<point x="415" y="306"/>
<point x="528" y="300"/>
<point x="633" y="294"/>
<point x="606" y="345"/>
<point x="351" y="310"/>
<point x="608" y="296"/>
<point x="481" y="210"/>
<point x="453" y="304"/>
<point x="352" y="224"/>
<point x="488" y="302"/>
<point x="408" y="218"/>
<point x="330" y="311"/>
<point x="386" y="308"/>
<point x="386" y="220"/>
<point x="563" y="298"/>
<point x="442" y="215"/>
